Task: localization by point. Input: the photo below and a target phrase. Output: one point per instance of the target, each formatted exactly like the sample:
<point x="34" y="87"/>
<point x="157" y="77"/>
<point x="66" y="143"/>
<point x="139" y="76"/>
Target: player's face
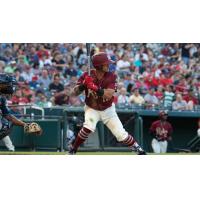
<point x="164" y="117"/>
<point x="105" y="68"/>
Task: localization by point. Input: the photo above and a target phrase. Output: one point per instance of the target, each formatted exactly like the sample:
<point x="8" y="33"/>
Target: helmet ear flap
<point x="7" y="88"/>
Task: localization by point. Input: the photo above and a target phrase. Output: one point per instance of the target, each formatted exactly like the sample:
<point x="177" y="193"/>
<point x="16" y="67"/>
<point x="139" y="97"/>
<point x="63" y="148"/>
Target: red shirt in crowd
<point x="155" y="82"/>
<point x="18" y="100"/>
<point x="181" y="88"/>
<point x="159" y="95"/>
<point x="188" y="98"/>
<point x="166" y="81"/>
<point x="42" y="53"/>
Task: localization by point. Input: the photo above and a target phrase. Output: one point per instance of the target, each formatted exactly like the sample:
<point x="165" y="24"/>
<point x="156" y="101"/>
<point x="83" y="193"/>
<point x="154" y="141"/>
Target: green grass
<point x="85" y="153"/>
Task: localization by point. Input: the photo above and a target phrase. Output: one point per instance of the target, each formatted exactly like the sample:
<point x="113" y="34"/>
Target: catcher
<point x="7" y="87"/>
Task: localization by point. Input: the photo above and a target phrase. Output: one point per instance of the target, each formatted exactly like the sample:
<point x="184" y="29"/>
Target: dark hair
<point x="129" y="87"/>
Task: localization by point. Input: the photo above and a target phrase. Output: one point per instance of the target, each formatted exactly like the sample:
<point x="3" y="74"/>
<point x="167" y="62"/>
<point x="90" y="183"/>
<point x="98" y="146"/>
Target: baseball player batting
<point x="99" y="88"/>
<point x="161" y="131"/>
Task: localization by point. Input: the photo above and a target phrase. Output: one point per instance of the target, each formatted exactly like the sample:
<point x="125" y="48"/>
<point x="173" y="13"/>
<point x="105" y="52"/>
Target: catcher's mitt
<point x="32" y="128"/>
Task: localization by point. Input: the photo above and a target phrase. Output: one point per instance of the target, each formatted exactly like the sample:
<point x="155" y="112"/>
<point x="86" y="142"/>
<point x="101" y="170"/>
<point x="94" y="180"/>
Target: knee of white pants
<point x="116" y="127"/>
<point x="91" y="118"/>
<point x="8" y="143"/>
<point x="155" y="146"/>
<point x="164" y="147"/>
<point x="108" y="114"/>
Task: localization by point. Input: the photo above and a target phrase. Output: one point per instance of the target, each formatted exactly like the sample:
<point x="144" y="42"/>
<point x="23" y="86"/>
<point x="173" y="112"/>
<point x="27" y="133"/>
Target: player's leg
<point x="8" y="143"/>
<point x="163" y="146"/>
<point x="112" y="121"/>
<point x="89" y="126"/>
<point x="156" y="146"/>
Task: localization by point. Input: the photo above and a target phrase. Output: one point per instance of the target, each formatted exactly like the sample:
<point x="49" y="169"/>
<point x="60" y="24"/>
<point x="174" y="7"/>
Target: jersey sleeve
<point x="80" y="80"/>
<point x="152" y="129"/>
<point x="170" y="131"/>
<point x="113" y="83"/>
<point x="4" y="109"/>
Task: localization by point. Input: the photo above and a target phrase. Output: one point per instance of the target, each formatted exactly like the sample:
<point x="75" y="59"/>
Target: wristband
<point x="100" y="92"/>
<point x="81" y="88"/>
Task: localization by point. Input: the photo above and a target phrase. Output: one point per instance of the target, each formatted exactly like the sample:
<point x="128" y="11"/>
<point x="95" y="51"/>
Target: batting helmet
<point x="163" y="113"/>
<point x="100" y="59"/>
<point x="7" y="84"/>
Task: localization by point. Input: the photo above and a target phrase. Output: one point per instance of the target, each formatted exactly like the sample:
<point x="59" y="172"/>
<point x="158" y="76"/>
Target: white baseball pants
<point x="159" y="146"/>
<point x="8" y="143"/>
<point x="109" y="117"/>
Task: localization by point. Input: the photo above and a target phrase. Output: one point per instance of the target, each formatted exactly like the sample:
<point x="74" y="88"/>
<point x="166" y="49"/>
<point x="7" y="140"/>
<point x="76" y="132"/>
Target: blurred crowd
<point x="150" y="76"/>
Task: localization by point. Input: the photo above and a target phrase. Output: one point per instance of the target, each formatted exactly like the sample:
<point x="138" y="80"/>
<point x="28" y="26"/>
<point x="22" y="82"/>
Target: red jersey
<point x="109" y="81"/>
<point x="161" y="130"/>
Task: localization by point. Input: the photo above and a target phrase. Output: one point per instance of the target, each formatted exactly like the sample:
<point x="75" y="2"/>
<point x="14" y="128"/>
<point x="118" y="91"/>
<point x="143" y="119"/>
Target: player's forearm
<point x="14" y="120"/>
<point x="78" y="89"/>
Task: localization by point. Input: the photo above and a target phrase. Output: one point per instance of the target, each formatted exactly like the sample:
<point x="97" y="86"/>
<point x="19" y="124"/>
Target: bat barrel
<point x="88" y="47"/>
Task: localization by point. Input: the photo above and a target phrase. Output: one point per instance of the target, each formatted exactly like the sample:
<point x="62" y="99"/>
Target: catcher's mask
<point x="163" y="114"/>
<point x="7" y="84"/>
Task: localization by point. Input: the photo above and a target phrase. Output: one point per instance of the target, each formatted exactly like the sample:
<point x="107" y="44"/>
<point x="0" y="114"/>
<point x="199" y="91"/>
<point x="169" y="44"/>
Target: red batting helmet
<point x="100" y="59"/>
<point x="163" y="113"/>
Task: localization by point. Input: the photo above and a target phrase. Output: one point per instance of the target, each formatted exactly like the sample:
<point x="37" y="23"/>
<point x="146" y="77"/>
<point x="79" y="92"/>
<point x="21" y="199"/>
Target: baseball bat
<point x="88" y="57"/>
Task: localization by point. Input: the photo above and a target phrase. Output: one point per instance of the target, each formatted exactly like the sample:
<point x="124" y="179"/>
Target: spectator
<point x="150" y="98"/>
<point x="34" y="84"/>
<point x="33" y="57"/>
<point x="182" y="85"/>
<point x="2" y="66"/>
<point x="75" y="100"/>
<point x="11" y="67"/>
<point x="168" y="96"/>
<point x="123" y="64"/>
<point x="27" y="74"/>
<point x="81" y="70"/>
<point x="190" y="99"/>
<point x="43" y="102"/>
<point x="58" y="61"/>
<point x="123" y="98"/>
<point x="22" y="62"/>
<point x="185" y="52"/>
<point x="42" y="51"/>
<point x="128" y="80"/>
<point x="62" y="98"/>
<point x="56" y="85"/>
<point x="44" y="61"/>
<point x="44" y="79"/>
<point x="159" y="93"/>
<point x="20" y="79"/>
<point x="70" y="71"/>
<point x="136" y="98"/>
<point x="179" y="104"/>
<point x="19" y="98"/>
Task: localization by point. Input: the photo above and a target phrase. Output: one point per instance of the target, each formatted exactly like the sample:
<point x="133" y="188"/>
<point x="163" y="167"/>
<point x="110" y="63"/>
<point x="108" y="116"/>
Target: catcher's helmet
<point x="7" y="84"/>
<point x="163" y="113"/>
<point x="100" y="59"/>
